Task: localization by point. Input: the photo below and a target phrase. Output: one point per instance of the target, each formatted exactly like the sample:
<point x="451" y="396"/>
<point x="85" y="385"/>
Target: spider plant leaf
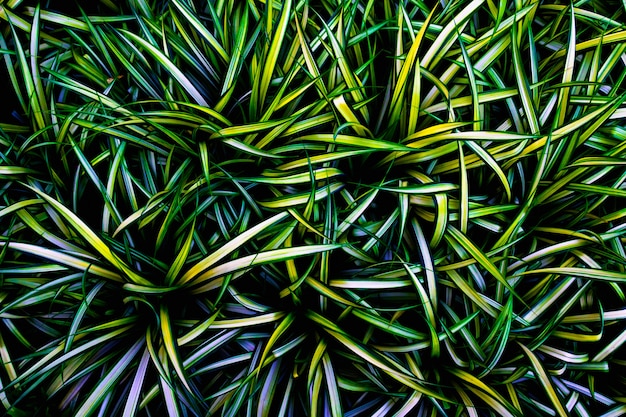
<point x="545" y="381"/>
<point x="252" y="150"/>
<point x="568" y="73"/>
<point x="431" y="188"/>
<point x="18" y="206"/>
<point x="438" y="48"/>
<point x="90" y="170"/>
<point x="284" y="325"/>
<point x="349" y="76"/>
<point x="597" y="161"/>
<point x="328" y="292"/>
<point x="235" y="62"/>
<point x="352" y="120"/>
<point x="381" y="363"/>
<point x="132" y="402"/>
<point x="52" y="358"/>
<point x="262" y="83"/>
<point x="412" y="401"/>
<point x="276" y="255"/>
<point x="320" y="159"/>
<point x="467" y="401"/>
<point x="564" y="308"/>
<point x="91" y="237"/>
<point x="205" y="159"/>
<point x="463" y="192"/>
<point x="169" y="341"/>
<point x="315" y="389"/>
<point x="429" y="270"/>
<point x="595" y="117"/>
<point x="493" y="164"/>
<point x="316" y="358"/>
<point x="37" y="84"/>
<point x="334" y="397"/>
<point x="610" y="348"/>
<point x="488" y="306"/>
<point x="32" y="86"/>
<point x="355" y="141"/>
<point x="411" y="62"/>
<point x="590" y="273"/>
<point x="615" y="411"/>
<point x="165" y="61"/>
<point x="269" y="391"/>
<point x="170" y="398"/>
<point x="248" y="321"/>
<point x="63" y="259"/>
<point x="302" y="198"/>
<point x="429" y="309"/>
<point x="72" y="84"/>
<point x="283" y="178"/>
<point x="312" y="66"/>
<point x="4" y="400"/>
<point x="181" y="257"/>
<point x="493" y="403"/>
<point x="200" y="28"/>
<point x="523" y="87"/>
<point x="80" y="314"/>
<point x="478" y="255"/>
<point x="93" y="401"/>
<point x="229" y="247"/>
<point x="194" y="333"/>
<point x="486" y="393"/>
<point x="387" y="326"/>
<point x="249" y="128"/>
<point x="477" y="109"/>
<point x="461" y="325"/>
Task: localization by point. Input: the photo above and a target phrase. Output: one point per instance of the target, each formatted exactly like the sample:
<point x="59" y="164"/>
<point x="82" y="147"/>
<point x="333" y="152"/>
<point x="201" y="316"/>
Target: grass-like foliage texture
<point x="313" y="208"/>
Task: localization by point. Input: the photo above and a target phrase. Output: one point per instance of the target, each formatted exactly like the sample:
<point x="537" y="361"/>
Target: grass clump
<point x="313" y="208"/>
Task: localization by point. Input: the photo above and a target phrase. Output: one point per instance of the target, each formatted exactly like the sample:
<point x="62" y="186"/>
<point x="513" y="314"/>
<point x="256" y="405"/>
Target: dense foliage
<point x="344" y="208"/>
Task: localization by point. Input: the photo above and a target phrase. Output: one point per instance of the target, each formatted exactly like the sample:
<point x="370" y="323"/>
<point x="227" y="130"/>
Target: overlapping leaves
<point x="351" y="208"/>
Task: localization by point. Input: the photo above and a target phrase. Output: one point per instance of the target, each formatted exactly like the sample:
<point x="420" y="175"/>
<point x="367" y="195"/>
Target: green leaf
<point x="163" y="60"/>
<point x="91" y="237"/>
<point x="545" y="381"/>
